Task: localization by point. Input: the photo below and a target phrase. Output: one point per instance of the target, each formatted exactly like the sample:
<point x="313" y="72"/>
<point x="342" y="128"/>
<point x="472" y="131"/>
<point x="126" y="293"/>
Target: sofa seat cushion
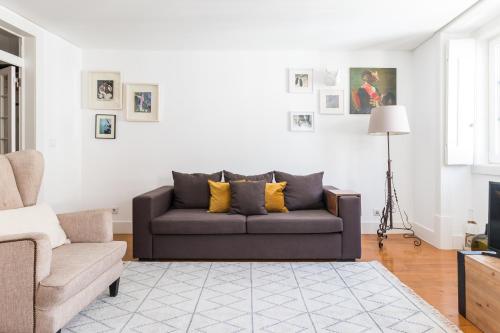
<point x="318" y="221"/>
<point x="74" y="267"/>
<point x="198" y="222"/>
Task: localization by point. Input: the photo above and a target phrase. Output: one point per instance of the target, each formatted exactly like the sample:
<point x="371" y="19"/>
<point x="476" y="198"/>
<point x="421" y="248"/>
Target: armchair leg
<point x="113" y="288"/>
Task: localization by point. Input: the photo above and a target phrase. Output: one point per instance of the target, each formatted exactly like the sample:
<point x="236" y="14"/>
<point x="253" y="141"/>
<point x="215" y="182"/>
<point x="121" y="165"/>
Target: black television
<point x="494" y="218"/>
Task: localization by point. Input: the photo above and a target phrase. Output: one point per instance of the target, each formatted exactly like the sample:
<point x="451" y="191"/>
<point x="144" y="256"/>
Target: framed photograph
<point x="372" y="87"/>
<point x="331" y="101"/>
<point x="300" y="80"/>
<point x="302" y="121"/>
<point x="104" y="90"/>
<point x="105" y="126"/>
<point x="142" y="102"/>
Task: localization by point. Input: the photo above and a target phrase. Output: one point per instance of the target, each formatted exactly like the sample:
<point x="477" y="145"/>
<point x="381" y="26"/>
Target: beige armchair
<point x="42" y="288"/>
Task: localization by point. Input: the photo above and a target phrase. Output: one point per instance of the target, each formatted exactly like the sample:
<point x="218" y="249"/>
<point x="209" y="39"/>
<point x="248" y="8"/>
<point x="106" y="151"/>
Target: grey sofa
<point x="163" y="232"/>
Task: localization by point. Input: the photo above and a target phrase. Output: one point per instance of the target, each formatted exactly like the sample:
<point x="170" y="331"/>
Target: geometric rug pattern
<point x="259" y="297"/>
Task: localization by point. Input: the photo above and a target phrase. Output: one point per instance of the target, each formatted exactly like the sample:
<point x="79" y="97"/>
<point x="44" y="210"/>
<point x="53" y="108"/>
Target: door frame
<point x="19" y="62"/>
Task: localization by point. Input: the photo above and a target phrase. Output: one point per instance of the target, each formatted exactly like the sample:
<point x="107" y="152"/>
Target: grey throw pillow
<point x="192" y="190"/>
<point x="302" y="192"/>
<point x="248" y="197"/>
<point x="229" y="176"/>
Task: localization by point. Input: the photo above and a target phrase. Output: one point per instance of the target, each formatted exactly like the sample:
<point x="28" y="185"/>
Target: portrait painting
<point x="372" y="87"/>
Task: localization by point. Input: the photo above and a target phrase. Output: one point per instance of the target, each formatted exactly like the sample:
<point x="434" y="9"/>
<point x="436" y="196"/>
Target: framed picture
<point x="105" y="126"/>
<point x="302" y="121"/>
<point x="105" y="90"/>
<point x="300" y="80"/>
<point x="142" y="102"/>
<point x="372" y="87"/>
<point x="331" y="101"/>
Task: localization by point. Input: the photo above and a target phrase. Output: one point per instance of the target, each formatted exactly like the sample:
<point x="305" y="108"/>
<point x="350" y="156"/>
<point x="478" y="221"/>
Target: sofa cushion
<point x="275" y="198"/>
<point x="220" y="197"/>
<point x="229" y="176"/>
<point x="302" y="192"/>
<point x="318" y="221"/>
<point x="197" y="222"/>
<point x="74" y="267"/>
<point x="191" y="190"/>
<point x="248" y="197"/>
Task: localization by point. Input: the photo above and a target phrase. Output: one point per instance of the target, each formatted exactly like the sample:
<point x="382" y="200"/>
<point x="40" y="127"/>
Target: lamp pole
<point x="387" y="219"/>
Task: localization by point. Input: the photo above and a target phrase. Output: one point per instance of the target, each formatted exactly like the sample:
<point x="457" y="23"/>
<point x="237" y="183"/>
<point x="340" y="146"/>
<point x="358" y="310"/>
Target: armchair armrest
<point x="92" y="226"/>
<point x="25" y="260"/>
<point x="146" y="207"/>
<point x="347" y="206"/>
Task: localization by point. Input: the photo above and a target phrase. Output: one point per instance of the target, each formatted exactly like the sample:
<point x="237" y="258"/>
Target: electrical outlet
<point x="116" y="211"/>
<point x="376" y="212"/>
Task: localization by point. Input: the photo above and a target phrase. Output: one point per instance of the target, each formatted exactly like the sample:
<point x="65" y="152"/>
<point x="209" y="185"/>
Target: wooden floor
<point x="430" y="272"/>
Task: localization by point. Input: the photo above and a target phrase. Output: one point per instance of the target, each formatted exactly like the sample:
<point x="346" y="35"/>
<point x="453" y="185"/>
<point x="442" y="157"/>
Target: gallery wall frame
<point x="104" y="90"/>
<point x="142" y="102"/>
<point x="105" y="126"/>
<point x="302" y="121"/>
<point x="371" y="87"/>
<point x="331" y="101"/>
<point x="300" y="80"/>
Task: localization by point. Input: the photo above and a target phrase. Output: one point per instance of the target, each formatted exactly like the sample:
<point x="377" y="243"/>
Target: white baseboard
<point x="122" y="227"/>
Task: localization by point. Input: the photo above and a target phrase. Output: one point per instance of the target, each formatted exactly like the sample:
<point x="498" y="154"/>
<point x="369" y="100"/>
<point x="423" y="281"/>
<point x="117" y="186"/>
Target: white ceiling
<point x="241" y="24"/>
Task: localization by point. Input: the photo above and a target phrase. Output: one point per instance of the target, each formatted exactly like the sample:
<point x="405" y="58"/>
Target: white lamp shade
<point x="390" y="119"/>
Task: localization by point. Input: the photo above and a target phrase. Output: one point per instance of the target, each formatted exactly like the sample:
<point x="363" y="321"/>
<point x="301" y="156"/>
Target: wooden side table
<point x="479" y="290"/>
<point x="332" y="199"/>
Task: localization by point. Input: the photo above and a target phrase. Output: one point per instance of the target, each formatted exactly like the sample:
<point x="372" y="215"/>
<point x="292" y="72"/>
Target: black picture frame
<point x="110" y="136"/>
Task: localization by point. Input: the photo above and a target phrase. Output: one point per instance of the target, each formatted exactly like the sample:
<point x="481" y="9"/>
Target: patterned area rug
<point x="260" y="297"/>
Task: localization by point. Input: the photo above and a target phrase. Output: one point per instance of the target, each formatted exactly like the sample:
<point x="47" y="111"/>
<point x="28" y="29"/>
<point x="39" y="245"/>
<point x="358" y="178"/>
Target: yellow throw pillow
<point x="220" y="197"/>
<point x="275" y="198"/>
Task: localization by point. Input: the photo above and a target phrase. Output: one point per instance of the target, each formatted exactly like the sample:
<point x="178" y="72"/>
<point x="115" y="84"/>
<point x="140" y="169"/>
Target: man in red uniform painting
<point x="368" y="96"/>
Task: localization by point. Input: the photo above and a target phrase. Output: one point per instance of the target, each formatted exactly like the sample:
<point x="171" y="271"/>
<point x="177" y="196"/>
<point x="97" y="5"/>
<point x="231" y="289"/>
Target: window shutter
<point x="460" y="101"/>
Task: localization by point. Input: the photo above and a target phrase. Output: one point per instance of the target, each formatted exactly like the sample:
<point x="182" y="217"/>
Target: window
<point x="494" y="114"/>
<point x="460" y="101"/>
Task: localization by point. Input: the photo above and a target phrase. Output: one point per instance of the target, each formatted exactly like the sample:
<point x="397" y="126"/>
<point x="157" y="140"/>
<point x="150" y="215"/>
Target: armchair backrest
<point x="21" y="175"/>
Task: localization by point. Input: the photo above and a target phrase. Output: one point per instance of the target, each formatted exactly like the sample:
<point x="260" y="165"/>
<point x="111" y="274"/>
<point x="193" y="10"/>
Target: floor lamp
<point x="391" y="120"/>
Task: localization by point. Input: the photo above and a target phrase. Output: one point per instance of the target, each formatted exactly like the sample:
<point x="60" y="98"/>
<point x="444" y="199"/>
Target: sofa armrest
<point x="91" y="226"/>
<point x="25" y="260"/>
<point x="347" y="206"/>
<point x="145" y="208"/>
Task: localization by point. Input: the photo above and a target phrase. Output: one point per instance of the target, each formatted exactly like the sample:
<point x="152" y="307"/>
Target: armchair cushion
<point x="74" y="267"/>
<point x="92" y="226"/>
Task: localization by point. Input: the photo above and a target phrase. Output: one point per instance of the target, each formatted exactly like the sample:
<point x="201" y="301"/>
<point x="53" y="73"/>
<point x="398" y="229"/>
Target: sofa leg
<point x="113" y="288"/>
<point x="346" y="260"/>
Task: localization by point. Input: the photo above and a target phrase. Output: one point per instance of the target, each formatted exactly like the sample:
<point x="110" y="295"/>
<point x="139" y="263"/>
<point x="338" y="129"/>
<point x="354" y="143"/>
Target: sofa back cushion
<point x="302" y="192"/>
<point x="248" y="197"/>
<point x="229" y="176"/>
<point x="191" y="190"/>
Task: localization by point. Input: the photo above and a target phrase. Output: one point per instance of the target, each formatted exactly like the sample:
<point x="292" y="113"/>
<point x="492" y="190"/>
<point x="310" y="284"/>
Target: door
<point x="8" y="114"/>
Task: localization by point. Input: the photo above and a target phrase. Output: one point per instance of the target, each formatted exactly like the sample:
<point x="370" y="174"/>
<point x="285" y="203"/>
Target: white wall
<point x="229" y="109"/>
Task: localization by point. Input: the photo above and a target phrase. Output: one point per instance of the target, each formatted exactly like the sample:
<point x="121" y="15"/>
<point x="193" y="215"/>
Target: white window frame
<point x="460" y="101"/>
<point x="494" y="101"/>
